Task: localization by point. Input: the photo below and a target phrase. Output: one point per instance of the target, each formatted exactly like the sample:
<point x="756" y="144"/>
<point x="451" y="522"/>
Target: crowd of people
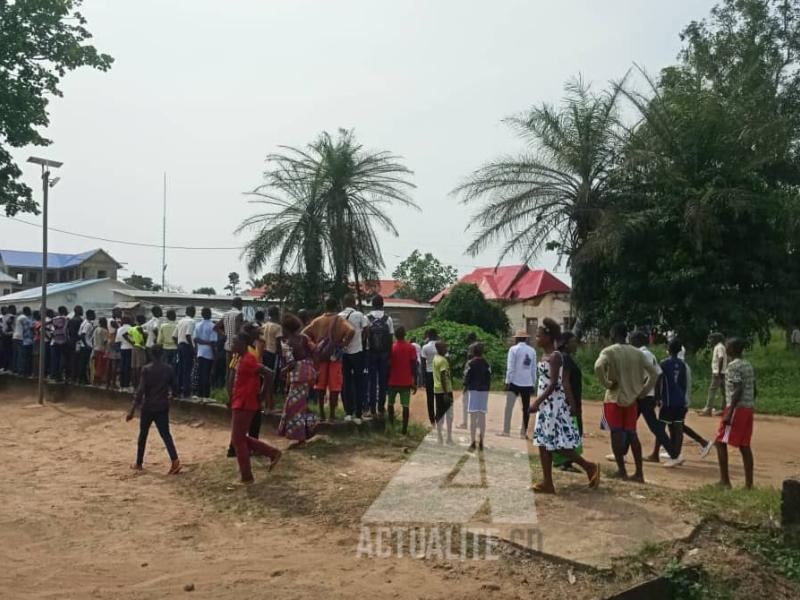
<point x="366" y="360"/>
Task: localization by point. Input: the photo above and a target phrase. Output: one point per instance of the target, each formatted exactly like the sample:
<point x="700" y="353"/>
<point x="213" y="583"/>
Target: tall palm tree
<point x="330" y="198"/>
<point x="551" y="195"/>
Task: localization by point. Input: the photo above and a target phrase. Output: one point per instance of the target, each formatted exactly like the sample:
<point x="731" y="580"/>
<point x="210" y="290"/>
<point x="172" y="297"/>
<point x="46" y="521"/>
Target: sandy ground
<point x="77" y="523"/>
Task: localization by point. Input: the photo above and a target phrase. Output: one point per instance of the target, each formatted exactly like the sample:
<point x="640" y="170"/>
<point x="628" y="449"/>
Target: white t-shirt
<point x="359" y="322"/>
<point x="378" y="314"/>
<point x="123" y="343"/>
<point x="86" y="330"/>
<point x="151" y="330"/>
<point x="719" y="353"/>
<point x="185" y="327"/>
<point x="644" y="350"/>
<point x="418" y="348"/>
<point x="521" y="365"/>
<point x="19" y="326"/>
<point x="428" y="353"/>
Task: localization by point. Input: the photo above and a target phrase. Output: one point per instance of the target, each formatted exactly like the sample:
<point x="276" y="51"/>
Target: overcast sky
<point x="204" y="90"/>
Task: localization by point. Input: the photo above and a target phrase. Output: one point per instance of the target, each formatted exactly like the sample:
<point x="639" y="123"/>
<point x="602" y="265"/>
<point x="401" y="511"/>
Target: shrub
<point x="465" y="303"/>
<point x="455" y="334"/>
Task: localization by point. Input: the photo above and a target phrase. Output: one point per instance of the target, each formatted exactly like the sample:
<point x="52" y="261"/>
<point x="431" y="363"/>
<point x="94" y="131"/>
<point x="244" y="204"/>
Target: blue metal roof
<point x="29" y="260"/>
<point x="52" y="288"/>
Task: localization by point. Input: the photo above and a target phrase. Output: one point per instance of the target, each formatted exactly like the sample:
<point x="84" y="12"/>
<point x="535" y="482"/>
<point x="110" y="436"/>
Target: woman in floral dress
<point x="297" y="422"/>
<point x="555" y="430"/>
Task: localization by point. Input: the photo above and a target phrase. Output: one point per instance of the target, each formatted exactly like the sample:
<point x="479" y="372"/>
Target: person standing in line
<point x="419" y="374"/>
<point x="354" y="393"/>
<point x="72" y="347"/>
<point x="184" y="333"/>
<point x="59" y="343"/>
<point x="379" y="352"/>
<point x="626" y="374"/>
<point x="477" y="382"/>
<point x="151" y="328"/>
<point x="647" y="403"/>
<point x="21" y="323"/>
<point x="736" y="425"/>
<point x="402" y="381"/>
<point x="7" y="337"/>
<point x="297" y="423"/>
<point x="138" y="337"/>
<point x="271" y="339"/>
<point x="472" y="339"/>
<point x="156" y="385"/>
<point x="85" y="335"/>
<point x="555" y="430"/>
<point x="719" y="363"/>
<point x="443" y="391"/>
<point x="113" y="348"/>
<point x="331" y="330"/>
<point x="230" y="325"/>
<point x="26" y="348"/>
<point x="126" y="353"/>
<point x="520" y="380"/>
<point x="167" y="338"/>
<point x="36" y="331"/>
<point x="99" y="349"/>
<point x="572" y="378"/>
<point x="428" y="353"/>
<point x="205" y="338"/>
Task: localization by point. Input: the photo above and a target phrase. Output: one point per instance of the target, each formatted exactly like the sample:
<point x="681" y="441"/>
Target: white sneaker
<point x="348" y="418"/>
<point x="356" y="420"/>
<point x="706" y="449"/>
<point x="674" y="462"/>
<point x="664" y="454"/>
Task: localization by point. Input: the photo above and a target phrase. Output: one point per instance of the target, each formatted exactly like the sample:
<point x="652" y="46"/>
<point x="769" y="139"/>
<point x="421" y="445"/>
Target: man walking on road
<point x="520" y="380"/>
<point x="719" y="363"/>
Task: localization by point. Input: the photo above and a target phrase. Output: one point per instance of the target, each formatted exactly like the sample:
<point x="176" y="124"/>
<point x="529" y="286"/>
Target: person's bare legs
<point x="321" y="402"/>
<point x="654" y="457"/>
<point x="449" y="418"/>
<point x="722" y="457"/>
<point x="591" y="469"/>
<point x="619" y="447"/>
<point x="747" y="459"/>
<point x="636" y="450"/>
<point x="473" y="429"/>
<point x="546" y="486"/>
<point x="334" y="402"/>
<point x="481" y="428"/>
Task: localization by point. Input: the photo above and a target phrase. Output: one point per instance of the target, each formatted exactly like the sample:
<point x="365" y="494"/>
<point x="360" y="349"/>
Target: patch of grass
<point x="758" y="505"/>
<point x="696" y="584"/>
<point x="772" y="548"/>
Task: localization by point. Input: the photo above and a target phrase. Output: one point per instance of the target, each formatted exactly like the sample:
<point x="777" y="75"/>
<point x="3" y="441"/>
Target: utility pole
<point x="164" y="238"/>
<point x="46" y="185"/>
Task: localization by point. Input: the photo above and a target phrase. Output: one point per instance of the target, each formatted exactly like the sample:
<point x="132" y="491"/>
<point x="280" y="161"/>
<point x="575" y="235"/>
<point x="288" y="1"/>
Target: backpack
<point x="380" y="338"/>
<point x="325" y="349"/>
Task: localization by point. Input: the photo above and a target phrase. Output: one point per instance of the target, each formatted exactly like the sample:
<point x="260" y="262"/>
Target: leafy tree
<point x="291" y="290"/>
<point x="423" y="276"/>
<point x="208" y="291"/>
<point x="324" y="204"/>
<point x="464" y="303"/>
<point x="233" y="283"/>
<point x="40" y="40"/>
<point x="140" y="282"/>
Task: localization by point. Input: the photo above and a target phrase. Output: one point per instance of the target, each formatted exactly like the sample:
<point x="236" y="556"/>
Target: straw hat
<point x="521" y="334"/>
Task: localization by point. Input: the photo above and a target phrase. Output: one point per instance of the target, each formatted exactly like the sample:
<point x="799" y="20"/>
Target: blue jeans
<point x="647" y="409"/>
<point x="354" y="383"/>
<point x="378" y="380"/>
<point x="161" y="419"/>
<point x="185" y="362"/>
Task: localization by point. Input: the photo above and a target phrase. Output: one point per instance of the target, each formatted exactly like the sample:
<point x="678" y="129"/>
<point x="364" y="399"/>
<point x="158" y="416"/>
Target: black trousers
<point x="204" y="366"/>
<point x="161" y="419"/>
<point x="429" y="397"/>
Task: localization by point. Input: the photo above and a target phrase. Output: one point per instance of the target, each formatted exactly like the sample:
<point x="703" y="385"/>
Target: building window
<point x="83" y="273"/>
<point x="33" y="277"/>
<point x="51" y="276"/>
<point x="101" y="274"/>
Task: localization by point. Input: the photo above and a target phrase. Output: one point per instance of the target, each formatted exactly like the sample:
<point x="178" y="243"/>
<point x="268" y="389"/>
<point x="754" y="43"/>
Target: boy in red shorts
<point x="736" y="426"/>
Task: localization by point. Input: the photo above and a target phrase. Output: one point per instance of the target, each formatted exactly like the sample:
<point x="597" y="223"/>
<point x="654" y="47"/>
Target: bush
<point x="455" y="334"/>
<point x="465" y="303"/>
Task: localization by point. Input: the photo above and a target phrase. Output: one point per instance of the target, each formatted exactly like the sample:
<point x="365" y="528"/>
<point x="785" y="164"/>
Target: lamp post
<point x="46" y="185"/>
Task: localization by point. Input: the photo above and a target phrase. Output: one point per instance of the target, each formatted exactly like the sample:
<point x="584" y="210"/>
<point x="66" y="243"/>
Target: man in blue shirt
<point x="205" y="340"/>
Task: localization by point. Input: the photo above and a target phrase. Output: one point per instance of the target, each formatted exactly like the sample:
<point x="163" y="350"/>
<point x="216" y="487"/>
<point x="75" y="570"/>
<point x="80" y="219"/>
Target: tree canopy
<point x="40" y="40"/>
<point x="140" y="282"/>
<point x="465" y="304"/>
<point x="423" y="276"/>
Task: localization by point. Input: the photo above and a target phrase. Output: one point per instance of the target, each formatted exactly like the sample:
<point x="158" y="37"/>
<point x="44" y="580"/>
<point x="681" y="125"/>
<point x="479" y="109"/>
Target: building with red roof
<point x="527" y="295"/>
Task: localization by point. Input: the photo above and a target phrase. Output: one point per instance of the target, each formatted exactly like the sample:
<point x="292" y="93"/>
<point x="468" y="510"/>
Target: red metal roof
<point x="511" y="282"/>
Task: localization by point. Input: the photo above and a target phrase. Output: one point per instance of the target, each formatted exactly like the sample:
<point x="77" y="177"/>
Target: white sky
<point x="204" y="90"/>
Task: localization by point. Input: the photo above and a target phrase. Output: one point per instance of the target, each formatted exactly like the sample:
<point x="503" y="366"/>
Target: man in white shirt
<point x="152" y="326"/>
<point x="719" y="363"/>
<point x="380" y="336"/>
<point x="184" y="336"/>
<point x="230" y="325"/>
<point x="520" y="380"/>
<point x="355" y="393"/>
<point x="428" y="353"/>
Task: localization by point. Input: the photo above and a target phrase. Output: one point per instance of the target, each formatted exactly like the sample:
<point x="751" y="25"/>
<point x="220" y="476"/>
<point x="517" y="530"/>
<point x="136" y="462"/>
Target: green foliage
<point x="738" y="505"/>
<point x="140" y="282"/>
<point x="772" y="548"/>
<point x="464" y="303"/>
<point x="233" y="283"/>
<point x="208" y="291"/>
<point x="455" y="334"/>
<point x="323" y="205"/>
<point x="39" y="42"/>
<point x="294" y="291"/>
<point x="423" y="276"/>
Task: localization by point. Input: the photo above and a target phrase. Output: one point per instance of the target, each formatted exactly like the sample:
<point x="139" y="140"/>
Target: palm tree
<point x="550" y="196"/>
<point x="328" y="200"/>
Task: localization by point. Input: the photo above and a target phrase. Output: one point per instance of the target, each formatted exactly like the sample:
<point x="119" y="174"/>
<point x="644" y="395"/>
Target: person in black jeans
<point x="355" y="392"/>
<point x="428" y="353"/>
<point x="156" y="383"/>
<point x="380" y="338"/>
<point x="184" y="335"/>
<point x="71" y="355"/>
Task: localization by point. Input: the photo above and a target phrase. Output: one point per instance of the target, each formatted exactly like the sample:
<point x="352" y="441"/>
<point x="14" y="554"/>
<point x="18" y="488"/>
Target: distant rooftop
<point x="27" y="260"/>
<point x="511" y="282"/>
<point x="52" y="288"/>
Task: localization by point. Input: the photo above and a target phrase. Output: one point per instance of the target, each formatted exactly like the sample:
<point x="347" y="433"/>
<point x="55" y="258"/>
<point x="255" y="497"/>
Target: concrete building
<point x="26" y="267"/>
<point x="8" y="284"/>
<point x="140" y="301"/>
<point x="97" y="294"/>
<point x="527" y="295"/>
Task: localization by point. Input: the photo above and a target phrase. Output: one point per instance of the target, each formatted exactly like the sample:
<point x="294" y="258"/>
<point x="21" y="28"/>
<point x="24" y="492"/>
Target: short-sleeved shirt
<point x="740" y="371"/>
<point x="359" y="322"/>
<point x="653" y="361"/>
<point x="404" y="358"/>
<point x="247" y="383"/>
<point x="270" y="333"/>
<point x="85" y="333"/>
<point x="166" y="333"/>
<point x="151" y="330"/>
<point x="675" y="382"/>
<point x="59" y="330"/>
<point x="719" y="354"/>
<point x="99" y="339"/>
<point x="478" y="375"/>
<point x="205" y="331"/>
<point x="27" y="332"/>
<point x="185" y="327"/>
<point x="120" y="339"/>
<point x="19" y="326"/>
<point x="441" y="375"/>
<point x="429" y="353"/>
<point x="73" y="329"/>
<point x="379" y="314"/>
<point x="231" y="324"/>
